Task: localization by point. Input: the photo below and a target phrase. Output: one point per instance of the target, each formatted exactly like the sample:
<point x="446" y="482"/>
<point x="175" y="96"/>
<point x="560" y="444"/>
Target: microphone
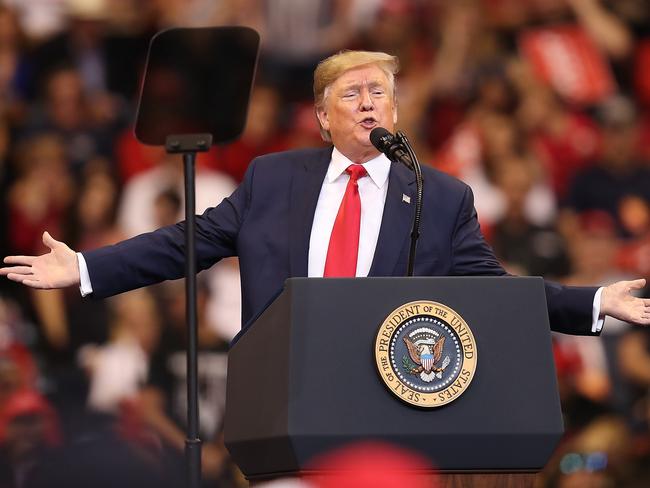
<point x="398" y="149"/>
<point x="386" y="143"/>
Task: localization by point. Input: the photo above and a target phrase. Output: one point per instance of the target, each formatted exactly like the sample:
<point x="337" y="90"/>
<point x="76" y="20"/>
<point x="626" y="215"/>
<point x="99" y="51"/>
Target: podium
<point x="303" y="379"/>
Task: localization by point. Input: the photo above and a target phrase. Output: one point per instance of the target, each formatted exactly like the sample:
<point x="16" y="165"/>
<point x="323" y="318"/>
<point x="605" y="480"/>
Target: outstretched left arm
<point x="617" y="301"/>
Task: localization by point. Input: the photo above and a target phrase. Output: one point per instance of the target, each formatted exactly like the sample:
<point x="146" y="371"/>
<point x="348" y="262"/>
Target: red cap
<point x="372" y="465"/>
<point x="29" y="402"/>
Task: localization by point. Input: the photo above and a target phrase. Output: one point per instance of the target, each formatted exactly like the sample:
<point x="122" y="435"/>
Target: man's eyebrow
<point x="355" y="85"/>
<point x="351" y="86"/>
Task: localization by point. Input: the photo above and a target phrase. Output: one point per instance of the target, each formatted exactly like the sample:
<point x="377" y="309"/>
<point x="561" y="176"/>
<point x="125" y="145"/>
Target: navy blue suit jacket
<point x="267" y="223"/>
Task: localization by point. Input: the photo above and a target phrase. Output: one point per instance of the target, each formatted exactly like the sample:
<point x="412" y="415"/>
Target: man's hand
<point x="57" y="269"/>
<point x="617" y="301"/>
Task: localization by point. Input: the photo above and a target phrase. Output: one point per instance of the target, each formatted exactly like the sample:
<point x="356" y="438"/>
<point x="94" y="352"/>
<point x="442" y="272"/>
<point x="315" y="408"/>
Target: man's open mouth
<point x="368" y="123"/>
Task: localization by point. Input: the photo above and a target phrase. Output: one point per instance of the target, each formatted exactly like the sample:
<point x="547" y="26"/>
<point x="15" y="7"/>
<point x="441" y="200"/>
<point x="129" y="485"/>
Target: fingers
<point x="24" y="270"/>
<point x="21" y="270"/>
<point x="18" y="277"/>
<point x="15" y="277"/>
<point x="24" y="260"/>
<point x="28" y="280"/>
<point x="35" y="284"/>
<point x="6" y="271"/>
<point x="641" y="314"/>
<point x="636" y="284"/>
<point x="49" y="241"/>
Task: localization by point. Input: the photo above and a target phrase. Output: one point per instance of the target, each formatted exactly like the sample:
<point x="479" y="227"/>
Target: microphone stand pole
<point x="188" y="145"/>
<point x="415" y="229"/>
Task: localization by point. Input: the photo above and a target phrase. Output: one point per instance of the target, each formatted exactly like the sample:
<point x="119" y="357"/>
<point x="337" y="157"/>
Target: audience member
<point x="67" y="111"/>
<point x="619" y="183"/>
<point x="29" y="434"/>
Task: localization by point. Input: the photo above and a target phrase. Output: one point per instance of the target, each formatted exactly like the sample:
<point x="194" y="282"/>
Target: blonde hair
<point x="330" y="69"/>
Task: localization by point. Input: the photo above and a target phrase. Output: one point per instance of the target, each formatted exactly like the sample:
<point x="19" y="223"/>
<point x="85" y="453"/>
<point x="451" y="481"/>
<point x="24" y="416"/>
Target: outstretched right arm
<point x="142" y="260"/>
<point x="57" y="269"/>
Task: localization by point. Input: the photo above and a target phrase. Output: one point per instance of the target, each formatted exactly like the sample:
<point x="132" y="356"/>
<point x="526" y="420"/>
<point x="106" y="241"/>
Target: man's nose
<point x="366" y="100"/>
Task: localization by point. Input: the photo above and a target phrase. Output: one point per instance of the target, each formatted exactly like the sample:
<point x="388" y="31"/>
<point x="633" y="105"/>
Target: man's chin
<point x="365" y="141"/>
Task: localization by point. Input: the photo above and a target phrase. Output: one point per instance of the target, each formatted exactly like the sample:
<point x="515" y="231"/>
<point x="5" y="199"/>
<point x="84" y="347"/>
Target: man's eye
<point x="378" y="92"/>
<point x="349" y="95"/>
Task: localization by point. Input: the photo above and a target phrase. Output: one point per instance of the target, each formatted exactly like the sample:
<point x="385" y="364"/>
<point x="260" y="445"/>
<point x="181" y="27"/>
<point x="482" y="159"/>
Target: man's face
<point x="357" y="102"/>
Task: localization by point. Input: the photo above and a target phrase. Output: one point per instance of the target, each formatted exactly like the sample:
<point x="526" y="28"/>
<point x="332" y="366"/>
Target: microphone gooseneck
<point x="417" y="216"/>
<point x="398" y="149"/>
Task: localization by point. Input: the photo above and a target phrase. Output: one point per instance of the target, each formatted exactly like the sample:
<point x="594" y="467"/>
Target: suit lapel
<point x="305" y="189"/>
<point x="396" y="222"/>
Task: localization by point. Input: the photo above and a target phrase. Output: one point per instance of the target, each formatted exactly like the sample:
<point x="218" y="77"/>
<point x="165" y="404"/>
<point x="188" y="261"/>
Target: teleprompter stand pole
<point x="195" y="92"/>
<point x="188" y="145"/>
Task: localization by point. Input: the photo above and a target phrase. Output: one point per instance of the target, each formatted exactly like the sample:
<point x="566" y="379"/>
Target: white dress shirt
<point x="372" y="192"/>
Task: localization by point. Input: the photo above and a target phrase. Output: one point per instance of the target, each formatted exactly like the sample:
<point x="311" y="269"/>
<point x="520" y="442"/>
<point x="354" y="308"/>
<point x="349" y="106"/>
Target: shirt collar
<point x="377" y="168"/>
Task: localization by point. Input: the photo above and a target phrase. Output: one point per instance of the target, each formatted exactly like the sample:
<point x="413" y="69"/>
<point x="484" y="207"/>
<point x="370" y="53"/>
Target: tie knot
<point x="356" y="171"/>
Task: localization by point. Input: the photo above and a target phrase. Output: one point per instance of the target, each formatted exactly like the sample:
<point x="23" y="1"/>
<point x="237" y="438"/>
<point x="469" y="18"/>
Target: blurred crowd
<point x="542" y="106"/>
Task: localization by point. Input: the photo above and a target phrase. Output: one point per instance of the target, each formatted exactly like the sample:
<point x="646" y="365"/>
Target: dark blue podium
<point x="303" y="379"/>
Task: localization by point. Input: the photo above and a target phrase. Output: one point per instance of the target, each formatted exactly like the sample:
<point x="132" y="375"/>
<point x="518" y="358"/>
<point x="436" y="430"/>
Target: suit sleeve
<point x="160" y="255"/>
<point x="471" y="254"/>
<point x="569" y="307"/>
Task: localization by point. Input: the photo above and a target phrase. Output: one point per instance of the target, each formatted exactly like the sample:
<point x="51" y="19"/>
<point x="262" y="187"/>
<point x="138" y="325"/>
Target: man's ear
<point x="321" y="113"/>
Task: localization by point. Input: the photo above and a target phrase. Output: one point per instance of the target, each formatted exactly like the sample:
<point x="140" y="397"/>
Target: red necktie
<point x="344" y="242"/>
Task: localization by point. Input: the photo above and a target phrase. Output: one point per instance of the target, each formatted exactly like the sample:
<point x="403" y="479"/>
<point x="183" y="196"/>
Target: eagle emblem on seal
<point x="425" y="352"/>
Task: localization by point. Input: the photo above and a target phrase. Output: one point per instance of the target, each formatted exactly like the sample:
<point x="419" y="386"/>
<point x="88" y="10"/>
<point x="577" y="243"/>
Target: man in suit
<point x="341" y="211"/>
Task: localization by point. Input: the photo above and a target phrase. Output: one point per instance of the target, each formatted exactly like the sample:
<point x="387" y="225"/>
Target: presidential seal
<point x="425" y="353"/>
